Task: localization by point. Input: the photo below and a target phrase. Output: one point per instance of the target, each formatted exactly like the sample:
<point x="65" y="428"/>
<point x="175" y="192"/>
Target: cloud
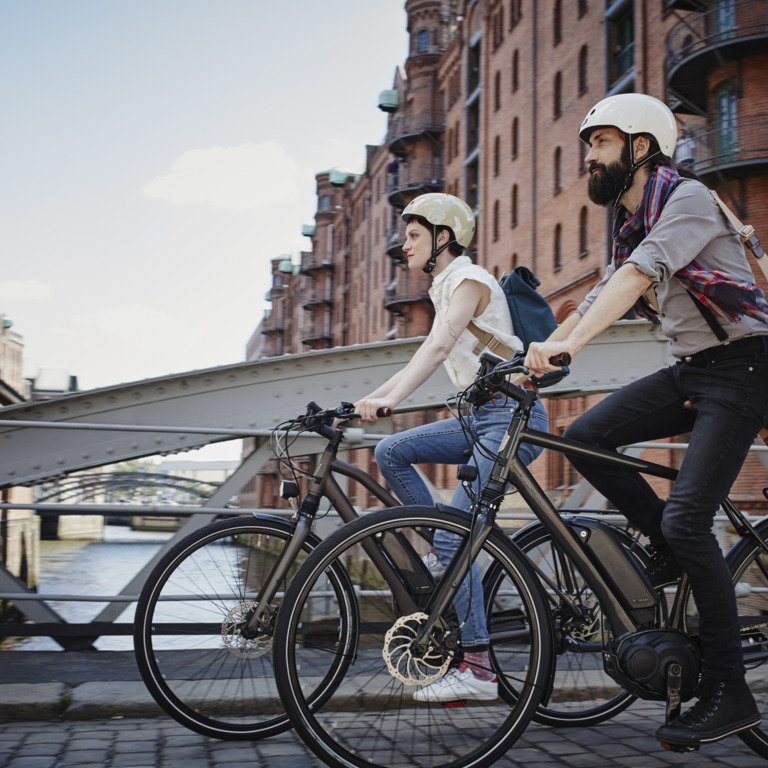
<point x="241" y="178"/>
<point x="24" y="290"/>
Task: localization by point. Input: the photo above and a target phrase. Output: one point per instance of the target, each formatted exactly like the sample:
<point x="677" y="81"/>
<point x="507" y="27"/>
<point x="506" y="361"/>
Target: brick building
<point x="487" y="106"/>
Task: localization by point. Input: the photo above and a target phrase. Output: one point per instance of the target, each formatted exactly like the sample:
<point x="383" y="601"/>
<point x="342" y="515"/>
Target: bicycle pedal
<point x="453" y="704"/>
<point x="679" y="747"/>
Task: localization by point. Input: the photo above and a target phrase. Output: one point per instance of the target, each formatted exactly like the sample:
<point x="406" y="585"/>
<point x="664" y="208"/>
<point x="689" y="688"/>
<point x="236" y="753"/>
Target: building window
<point x="497" y="155"/>
<point x="497" y="92"/>
<point x="557" y="247"/>
<point x="515" y="13"/>
<point x="583" y="60"/>
<point x="724" y="18"/>
<point x="583" y="233"/>
<point x="473" y="125"/>
<point x="473" y="69"/>
<point x="557" y="23"/>
<point x="558" y="168"/>
<point x="423" y="41"/>
<point x="582" y="7"/>
<point x="515" y="136"/>
<point x="557" y="96"/>
<point x="456" y="139"/>
<point x="726" y="132"/>
<point x="623" y="42"/>
<point x="515" y="71"/>
<point x="498" y="28"/>
<point x="495" y="220"/>
<point x="473" y="184"/>
<point x="513" y="207"/>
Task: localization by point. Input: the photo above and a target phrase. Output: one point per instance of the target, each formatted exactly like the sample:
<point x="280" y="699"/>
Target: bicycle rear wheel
<point x="583" y="693"/>
<point x="749" y="565"/>
<point x="372" y="719"/>
<point x="190" y="637"/>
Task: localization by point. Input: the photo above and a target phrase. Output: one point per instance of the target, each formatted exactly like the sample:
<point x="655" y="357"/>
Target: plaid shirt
<point x="727" y="297"/>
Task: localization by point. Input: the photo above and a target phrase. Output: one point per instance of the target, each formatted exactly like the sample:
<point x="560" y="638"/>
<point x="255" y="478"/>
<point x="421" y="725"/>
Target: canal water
<point x="91" y="568"/>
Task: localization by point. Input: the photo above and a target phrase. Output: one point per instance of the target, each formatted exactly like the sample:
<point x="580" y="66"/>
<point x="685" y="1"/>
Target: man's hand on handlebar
<point x="546" y="356"/>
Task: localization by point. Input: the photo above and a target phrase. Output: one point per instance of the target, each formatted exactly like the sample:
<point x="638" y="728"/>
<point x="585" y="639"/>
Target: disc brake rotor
<point x="235" y="641"/>
<point x="411" y="665"/>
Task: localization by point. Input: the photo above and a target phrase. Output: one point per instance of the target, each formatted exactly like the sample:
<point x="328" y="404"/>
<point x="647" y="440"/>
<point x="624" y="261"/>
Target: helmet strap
<point x="633" y="167"/>
<point x="436" y="251"/>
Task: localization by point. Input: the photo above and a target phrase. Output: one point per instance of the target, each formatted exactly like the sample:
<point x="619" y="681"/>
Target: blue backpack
<point x="532" y="320"/>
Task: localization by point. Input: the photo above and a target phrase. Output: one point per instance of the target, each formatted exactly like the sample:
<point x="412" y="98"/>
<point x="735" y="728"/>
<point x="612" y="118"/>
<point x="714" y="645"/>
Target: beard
<point x="607" y="185"/>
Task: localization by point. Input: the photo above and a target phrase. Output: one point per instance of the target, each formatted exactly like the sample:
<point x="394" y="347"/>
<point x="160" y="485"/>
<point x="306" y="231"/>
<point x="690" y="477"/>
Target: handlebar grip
<point x="562" y="359"/>
<point x="382" y="412"/>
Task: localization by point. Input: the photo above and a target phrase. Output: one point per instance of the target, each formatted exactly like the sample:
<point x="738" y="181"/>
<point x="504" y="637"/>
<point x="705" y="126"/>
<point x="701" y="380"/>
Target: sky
<point x="156" y="155"/>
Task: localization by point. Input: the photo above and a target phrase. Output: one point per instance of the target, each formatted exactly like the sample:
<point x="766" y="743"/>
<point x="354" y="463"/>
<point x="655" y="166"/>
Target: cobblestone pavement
<point x="160" y="742"/>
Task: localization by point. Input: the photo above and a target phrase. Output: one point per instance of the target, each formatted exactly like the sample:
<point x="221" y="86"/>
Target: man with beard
<point x="677" y="262"/>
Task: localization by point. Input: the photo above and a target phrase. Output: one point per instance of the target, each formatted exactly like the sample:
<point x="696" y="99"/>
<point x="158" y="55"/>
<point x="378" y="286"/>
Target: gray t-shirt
<point x="691" y="227"/>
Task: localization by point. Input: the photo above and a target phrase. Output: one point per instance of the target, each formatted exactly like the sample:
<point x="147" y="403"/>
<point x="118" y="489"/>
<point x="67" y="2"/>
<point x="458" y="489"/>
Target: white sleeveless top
<point x="462" y="363"/>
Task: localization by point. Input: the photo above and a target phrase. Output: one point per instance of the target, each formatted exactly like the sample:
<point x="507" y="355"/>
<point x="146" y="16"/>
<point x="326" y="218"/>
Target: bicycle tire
<point x="372" y="720"/>
<point x="189" y="650"/>
<point x="583" y="693"/>
<point x="749" y="566"/>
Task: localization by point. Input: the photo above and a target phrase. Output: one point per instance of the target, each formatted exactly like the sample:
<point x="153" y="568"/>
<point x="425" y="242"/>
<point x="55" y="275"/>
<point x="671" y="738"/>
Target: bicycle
<point x="646" y="636"/>
<point x="204" y="622"/>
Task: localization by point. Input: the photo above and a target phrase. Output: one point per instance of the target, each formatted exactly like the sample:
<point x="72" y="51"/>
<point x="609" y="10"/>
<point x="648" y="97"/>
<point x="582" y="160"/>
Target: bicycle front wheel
<point x="197" y="656"/>
<point x="372" y="719"/>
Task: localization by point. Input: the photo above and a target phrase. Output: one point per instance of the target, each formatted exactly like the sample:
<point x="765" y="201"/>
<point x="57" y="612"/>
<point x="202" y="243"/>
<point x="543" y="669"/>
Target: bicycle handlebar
<point x="494" y="371"/>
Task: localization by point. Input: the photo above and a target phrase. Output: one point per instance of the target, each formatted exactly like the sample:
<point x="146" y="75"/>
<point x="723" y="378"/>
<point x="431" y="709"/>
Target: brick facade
<point x="487" y="106"/>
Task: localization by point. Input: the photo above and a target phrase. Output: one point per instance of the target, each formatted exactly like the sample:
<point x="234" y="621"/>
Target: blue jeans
<point x="444" y="442"/>
<point x="728" y="387"/>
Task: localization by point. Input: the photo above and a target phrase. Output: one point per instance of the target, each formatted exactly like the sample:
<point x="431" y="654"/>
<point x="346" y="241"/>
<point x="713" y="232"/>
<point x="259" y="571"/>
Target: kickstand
<point x="674" y="683"/>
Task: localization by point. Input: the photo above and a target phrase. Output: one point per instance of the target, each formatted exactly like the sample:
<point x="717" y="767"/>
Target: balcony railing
<point x="739" y="148"/>
<point x="316" y="296"/>
<point x="272" y="323"/>
<point x="407" y="128"/>
<point x="739" y="28"/>
<point x="317" y="332"/>
<point x="406" y="290"/>
<point x="311" y="262"/>
<point x="407" y="182"/>
<point x="395" y="237"/>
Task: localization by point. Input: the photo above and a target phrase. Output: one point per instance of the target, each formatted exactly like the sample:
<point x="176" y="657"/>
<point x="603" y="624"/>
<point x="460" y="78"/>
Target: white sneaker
<point x="434" y="566"/>
<point x="459" y="684"/>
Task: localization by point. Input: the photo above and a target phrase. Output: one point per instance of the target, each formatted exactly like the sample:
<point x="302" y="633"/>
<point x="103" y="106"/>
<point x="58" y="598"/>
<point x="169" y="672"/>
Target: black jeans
<point x="728" y="387"/>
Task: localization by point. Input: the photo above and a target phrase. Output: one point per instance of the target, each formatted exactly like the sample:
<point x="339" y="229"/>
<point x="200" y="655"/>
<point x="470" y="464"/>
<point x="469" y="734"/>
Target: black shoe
<point x="724" y="707"/>
<point x="662" y="568"/>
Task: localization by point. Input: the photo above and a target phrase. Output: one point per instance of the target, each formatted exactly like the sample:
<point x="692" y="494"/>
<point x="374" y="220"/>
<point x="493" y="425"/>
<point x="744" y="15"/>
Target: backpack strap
<point x="746" y="232"/>
<point x="486" y="340"/>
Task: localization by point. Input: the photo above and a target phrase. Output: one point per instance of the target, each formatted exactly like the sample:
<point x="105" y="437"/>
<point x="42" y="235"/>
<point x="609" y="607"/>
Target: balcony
<point x="406" y="183"/>
<point x="395" y="237"/>
<point x="406" y="290"/>
<point x="312" y="262"/>
<point x="317" y="335"/>
<point x="315" y="297"/>
<point x="701" y="42"/>
<point x="738" y="150"/>
<point x="405" y="129"/>
<point x="272" y="323"/>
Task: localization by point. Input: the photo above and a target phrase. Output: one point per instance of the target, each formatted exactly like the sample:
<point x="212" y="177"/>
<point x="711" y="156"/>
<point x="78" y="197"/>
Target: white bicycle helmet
<point x="442" y="210"/>
<point x="634" y="113"/>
